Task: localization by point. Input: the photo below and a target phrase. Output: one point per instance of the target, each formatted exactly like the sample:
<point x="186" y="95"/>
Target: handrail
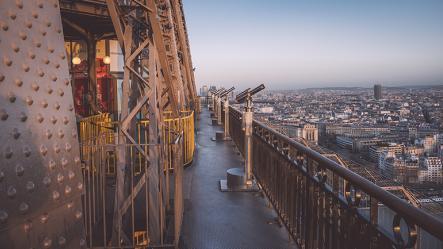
<point x="283" y="146"/>
<point x="409" y="212"/>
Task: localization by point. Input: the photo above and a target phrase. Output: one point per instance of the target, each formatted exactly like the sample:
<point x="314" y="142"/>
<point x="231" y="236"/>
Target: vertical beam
<point x="121" y="150"/>
<point x="173" y="89"/>
<point x="112" y="9"/>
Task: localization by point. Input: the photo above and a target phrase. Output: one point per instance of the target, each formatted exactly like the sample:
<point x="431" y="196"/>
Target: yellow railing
<point x="100" y="130"/>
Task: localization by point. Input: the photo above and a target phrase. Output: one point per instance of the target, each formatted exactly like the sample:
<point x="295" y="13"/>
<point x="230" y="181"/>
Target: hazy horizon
<point x="301" y="44"/>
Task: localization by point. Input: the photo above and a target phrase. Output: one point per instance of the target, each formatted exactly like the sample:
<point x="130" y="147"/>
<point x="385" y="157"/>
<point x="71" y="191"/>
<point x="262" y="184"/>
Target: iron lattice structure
<point x="53" y="196"/>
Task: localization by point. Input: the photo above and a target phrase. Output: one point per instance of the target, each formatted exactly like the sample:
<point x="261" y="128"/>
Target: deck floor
<point x="214" y="219"/>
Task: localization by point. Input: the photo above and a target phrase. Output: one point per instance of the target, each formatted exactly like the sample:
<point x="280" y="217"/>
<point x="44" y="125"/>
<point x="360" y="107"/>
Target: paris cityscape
<point x="199" y="124"/>
<point x="393" y="136"/>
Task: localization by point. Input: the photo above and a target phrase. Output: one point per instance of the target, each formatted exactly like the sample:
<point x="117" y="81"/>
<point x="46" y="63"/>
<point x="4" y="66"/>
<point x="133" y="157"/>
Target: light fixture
<point x="107" y="60"/>
<point x="76" y="60"/>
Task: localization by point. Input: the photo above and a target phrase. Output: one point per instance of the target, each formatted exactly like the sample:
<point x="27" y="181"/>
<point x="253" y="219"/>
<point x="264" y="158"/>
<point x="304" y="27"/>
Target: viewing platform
<point x="215" y="219"/>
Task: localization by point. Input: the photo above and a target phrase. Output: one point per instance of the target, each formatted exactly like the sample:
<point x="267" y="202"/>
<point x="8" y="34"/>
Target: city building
<point x="434" y="168"/>
<point x="377" y="92"/>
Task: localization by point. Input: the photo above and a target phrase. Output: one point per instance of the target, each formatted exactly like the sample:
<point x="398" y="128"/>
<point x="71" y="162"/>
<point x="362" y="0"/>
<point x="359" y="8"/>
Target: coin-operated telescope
<point x="222" y="136"/>
<point x="214" y="96"/>
<point x="217" y="101"/>
<point x="239" y="179"/>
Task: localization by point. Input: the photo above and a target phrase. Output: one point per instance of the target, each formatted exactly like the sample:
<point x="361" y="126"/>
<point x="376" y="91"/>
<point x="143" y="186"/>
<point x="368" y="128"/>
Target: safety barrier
<point x="100" y="129"/>
<point x="325" y="205"/>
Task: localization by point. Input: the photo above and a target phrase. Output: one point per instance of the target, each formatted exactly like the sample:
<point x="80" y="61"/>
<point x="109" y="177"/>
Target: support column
<point x="219" y="118"/>
<point x="226" y="107"/>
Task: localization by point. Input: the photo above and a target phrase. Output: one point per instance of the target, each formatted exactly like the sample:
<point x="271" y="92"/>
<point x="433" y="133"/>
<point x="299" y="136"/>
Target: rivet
<point x="55" y="5"/>
<point x="40" y="5"/>
<point x="46" y="61"/>
<point x="12" y="15"/>
<point x="48" y="24"/>
<point x="28" y="24"/>
<point x="65" y="120"/>
<point x="15" y="133"/>
<point x="27" y="226"/>
<point x="2" y="78"/>
<point x="8" y="152"/>
<point x="44" y="218"/>
<point x="47" y="242"/>
<point x="30" y="186"/>
<point x="68" y="190"/>
<point x="22" y="35"/>
<point x="11" y="192"/>
<point x="23" y="117"/>
<point x="34" y="14"/>
<point x="40" y="118"/>
<point x="80" y="186"/>
<point x="3" y="114"/>
<point x="4" y="26"/>
<point x="56" y="105"/>
<point x="43" y="150"/>
<point x="25" y="67"/>
<point x="40" y="73"/>
<point x="68" y="147"/>
<point x="66" y="82"/>
<point x="51" y="50"/>
<point x="18" y="82"/>
<point x="31" y="55"/>
<point x="19" y="4"/>
<point x="78" y="214"/>
<point x="49" y="90"/>
<point x="55" y="195"/>
<point x="58" y="30"/>
<point x="29" y="100"/>
<point x="60" y="92"/>
<point x="70" y="108"/>
<point x="53" y="120"/>
<point x="74" y="133"/>
<point x="35" y="86"/>
<point x="19" y="170"/>
<point x="56" y="148"/>
<point x="70" y="205"/>
<point x="23" y="207"/>
<point x="15" y="47"/>
<point x="52" y="164"/>
<point x="60" y="178"/>
<point x="26" y="151"/>
<point x="47" y="181"/>
<point x="3" y="216"/>
<point x="48" y="134"/>
<point x="54" y="78"/>
<point x="62" y="56"/>
<point x="11" y="97"/>
<point x="64" y="162"/>
<point x="61" y="241"/>
<point x="71" y="174"/>
<point x="44" y="103"/>
<point x="7" y="61"/>
<point x="57" y="65"/>
<point x="61" y="134"/>
<point x="77" y="159"/>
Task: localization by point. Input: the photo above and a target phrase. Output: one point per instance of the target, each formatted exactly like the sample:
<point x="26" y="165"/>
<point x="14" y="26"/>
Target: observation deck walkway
<point x="214" y="219"/>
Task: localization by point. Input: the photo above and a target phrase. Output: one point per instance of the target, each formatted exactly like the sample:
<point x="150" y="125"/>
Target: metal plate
<point x="40" y="175"/>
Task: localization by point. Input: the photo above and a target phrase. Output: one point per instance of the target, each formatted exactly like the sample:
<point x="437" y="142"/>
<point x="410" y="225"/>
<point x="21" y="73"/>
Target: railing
<point x="324" y="205"/>
<point x="99" y="151"/>
<point x="100" y="129"/>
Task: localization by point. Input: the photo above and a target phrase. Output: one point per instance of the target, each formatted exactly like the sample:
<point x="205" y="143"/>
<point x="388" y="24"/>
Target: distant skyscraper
<point x="204" y="91"/>
<point x="377" y="91"/>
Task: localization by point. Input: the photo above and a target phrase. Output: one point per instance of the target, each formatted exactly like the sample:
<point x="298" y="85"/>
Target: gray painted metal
<point x="40" y="174"/>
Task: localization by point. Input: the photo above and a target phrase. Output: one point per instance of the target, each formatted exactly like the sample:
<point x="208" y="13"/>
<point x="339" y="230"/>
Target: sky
<point x="315" y="43"/>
